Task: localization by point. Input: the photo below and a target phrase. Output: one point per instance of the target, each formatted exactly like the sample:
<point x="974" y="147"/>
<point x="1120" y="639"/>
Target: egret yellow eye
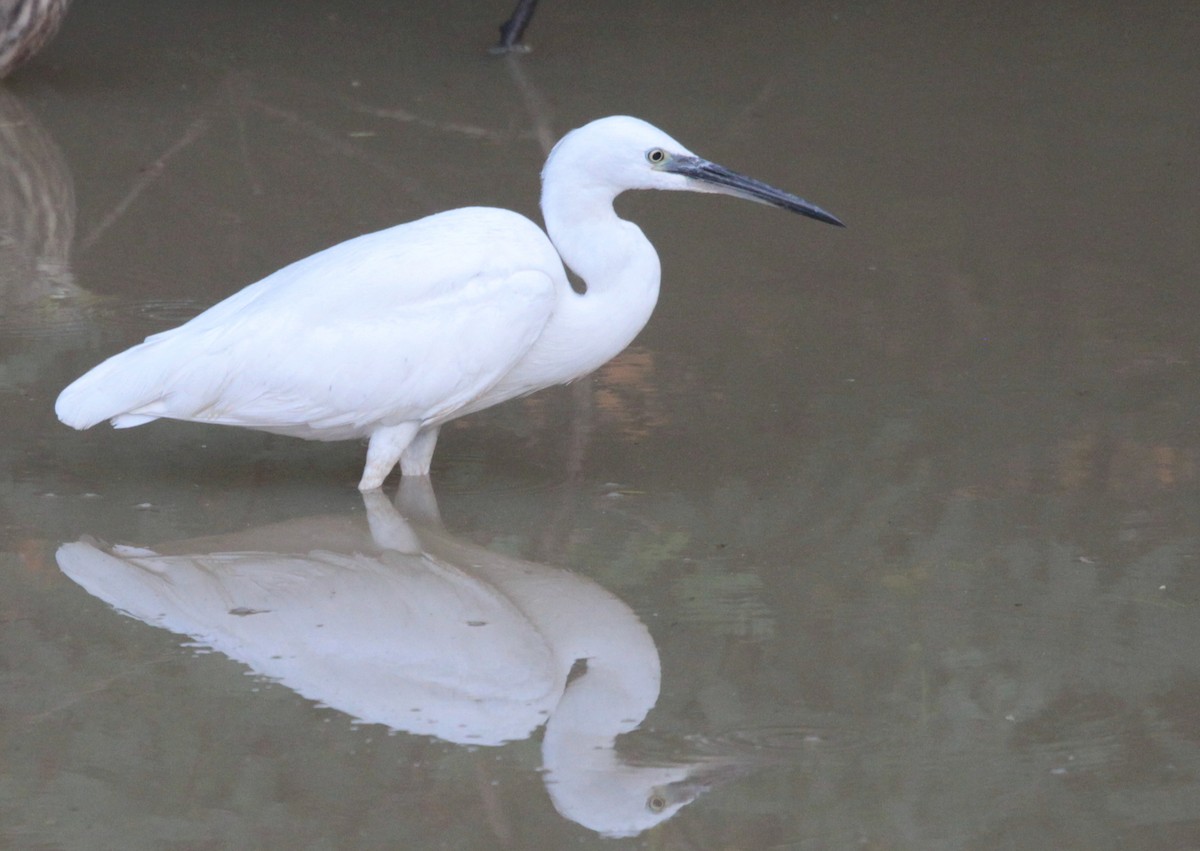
<point x="656" y="156"/>
<point x="656" y="803"/>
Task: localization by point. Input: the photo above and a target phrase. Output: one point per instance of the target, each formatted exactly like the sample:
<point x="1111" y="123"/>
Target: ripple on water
<point x="784" y="738"/>
<point x="163" y="313"/>
<point x="72" y="311"/>
<point x="64" y="311"/>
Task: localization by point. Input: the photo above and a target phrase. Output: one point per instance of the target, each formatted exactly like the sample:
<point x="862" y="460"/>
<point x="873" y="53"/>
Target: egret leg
<point x="384" y="449"/>
<point x="419" y="453"/>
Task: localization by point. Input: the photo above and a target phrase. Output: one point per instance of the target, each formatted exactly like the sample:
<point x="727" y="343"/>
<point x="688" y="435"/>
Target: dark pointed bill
<point x="731" y="183"/>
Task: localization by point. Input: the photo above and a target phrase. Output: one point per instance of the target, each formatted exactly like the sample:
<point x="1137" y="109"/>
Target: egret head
<point x="613" y="154"/>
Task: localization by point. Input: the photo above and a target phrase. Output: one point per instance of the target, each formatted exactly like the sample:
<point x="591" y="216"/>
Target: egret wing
<point x="407" y="323"/>
<point x="343" y="374"/>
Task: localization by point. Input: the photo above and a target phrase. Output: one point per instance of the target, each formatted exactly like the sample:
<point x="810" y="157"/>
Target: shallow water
<point x="883" y="538"/>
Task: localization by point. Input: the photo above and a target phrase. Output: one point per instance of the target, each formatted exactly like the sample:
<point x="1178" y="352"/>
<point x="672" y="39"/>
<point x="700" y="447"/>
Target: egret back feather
<point x="274" y="356"/>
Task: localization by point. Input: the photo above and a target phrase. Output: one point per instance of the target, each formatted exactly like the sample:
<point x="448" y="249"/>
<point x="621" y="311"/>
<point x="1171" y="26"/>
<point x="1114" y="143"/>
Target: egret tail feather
<point x="114" y="390"/>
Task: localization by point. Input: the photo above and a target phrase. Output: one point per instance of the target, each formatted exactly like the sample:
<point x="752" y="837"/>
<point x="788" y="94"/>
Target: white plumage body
<point x="351" y="338"/>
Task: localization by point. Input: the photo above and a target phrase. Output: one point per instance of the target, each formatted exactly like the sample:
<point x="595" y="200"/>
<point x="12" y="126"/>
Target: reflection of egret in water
<point x="407" y="626"/>
<point x="37" y="220"/>
<point x="42" y="311"/>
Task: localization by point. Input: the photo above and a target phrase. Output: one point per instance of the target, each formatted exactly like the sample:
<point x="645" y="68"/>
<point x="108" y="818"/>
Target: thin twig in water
<point x="736" y="126"/>
<point x="347" y="149"/>
<point x="406" y="117"/>
<point x="235" y="84"/>
<point x="534" y="103"/>
<point x="101" y="685"/>
<point x="194" y="131"/>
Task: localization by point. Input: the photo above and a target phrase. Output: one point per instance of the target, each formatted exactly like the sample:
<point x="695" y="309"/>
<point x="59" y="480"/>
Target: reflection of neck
<point x="585" y="777"/>
<point x="578" y="619"/>
<point x="611" y="697"/>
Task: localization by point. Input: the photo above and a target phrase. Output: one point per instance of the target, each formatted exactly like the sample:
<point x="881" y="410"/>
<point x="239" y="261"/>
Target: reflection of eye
<point x="656" y="156"/>
<point x="656" y="803"/>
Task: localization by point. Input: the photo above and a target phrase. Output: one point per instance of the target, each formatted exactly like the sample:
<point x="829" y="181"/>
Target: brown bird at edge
<point x="25" y="28"/>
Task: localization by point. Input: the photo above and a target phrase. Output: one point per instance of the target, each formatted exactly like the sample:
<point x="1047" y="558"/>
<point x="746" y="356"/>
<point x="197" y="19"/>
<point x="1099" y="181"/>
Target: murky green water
<point x="879" y="538"/>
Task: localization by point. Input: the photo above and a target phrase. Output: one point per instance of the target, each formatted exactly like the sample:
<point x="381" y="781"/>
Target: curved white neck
<point x="615" y="260"/>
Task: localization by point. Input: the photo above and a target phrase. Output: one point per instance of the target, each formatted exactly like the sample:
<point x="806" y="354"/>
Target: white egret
<point x="389" y="335"/>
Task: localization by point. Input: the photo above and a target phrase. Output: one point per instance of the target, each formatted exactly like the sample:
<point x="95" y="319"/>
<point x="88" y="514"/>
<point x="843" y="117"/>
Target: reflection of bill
<point x="404" y="625"/>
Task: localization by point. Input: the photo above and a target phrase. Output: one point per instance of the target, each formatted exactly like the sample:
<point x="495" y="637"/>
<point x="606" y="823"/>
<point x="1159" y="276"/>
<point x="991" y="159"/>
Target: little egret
<point x="389" y="335"/>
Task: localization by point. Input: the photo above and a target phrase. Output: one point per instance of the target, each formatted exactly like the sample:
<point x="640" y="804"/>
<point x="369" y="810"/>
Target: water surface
<point x="883" y="538"/>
